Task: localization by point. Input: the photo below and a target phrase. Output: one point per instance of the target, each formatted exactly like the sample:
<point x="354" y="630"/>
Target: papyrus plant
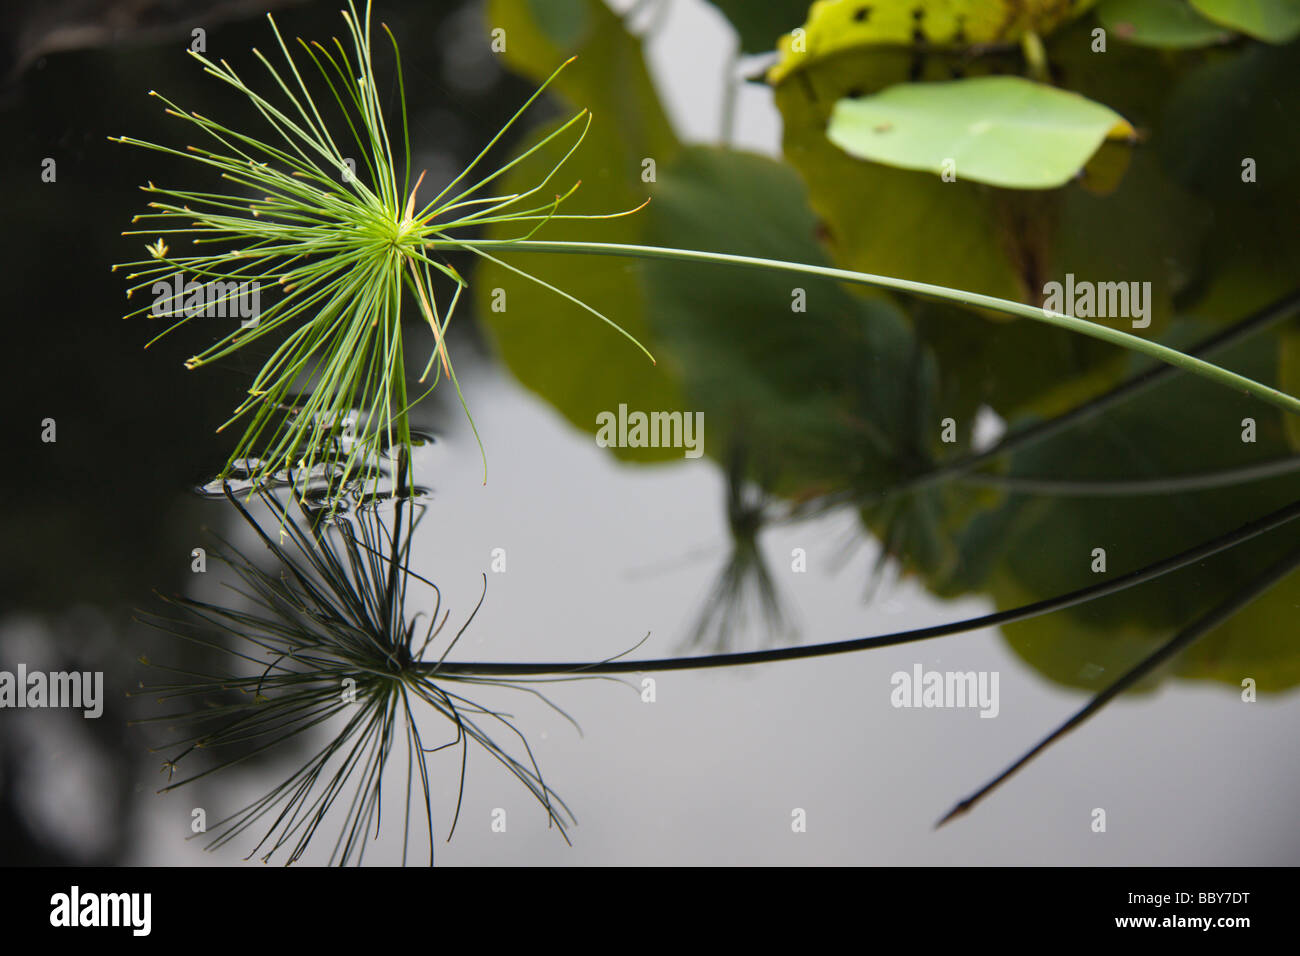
<point x="348" y="250"/>
<point x="346" y="247"/>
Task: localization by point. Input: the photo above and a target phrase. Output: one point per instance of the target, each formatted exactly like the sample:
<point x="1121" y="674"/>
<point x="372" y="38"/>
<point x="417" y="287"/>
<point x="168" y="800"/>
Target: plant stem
<point x="1163" y="353"/>
<point x="1031" y="44"/>
<point x="1255" y="323"/>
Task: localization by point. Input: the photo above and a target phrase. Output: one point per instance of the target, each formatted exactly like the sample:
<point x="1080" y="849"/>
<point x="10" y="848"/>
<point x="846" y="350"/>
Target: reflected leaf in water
<point x="327" y="644"/>
<point x="745" y="583"/>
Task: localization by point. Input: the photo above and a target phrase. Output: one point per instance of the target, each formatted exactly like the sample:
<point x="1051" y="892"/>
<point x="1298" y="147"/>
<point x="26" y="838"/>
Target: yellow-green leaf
<point x="834" y="26"/>
<point x="1002" y="130"/>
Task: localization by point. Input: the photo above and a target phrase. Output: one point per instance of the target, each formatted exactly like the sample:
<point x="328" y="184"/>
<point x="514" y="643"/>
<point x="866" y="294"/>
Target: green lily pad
<point x="937" y="232"/>
<point x="1277" y="21"/>
<point x="1002" y="130"/>
<point x="1167" y="24"/>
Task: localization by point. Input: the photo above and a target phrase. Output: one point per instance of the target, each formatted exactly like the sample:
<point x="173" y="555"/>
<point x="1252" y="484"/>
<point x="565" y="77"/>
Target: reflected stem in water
<point x="1167" y="651"/>
<point x="1071" y="599"/>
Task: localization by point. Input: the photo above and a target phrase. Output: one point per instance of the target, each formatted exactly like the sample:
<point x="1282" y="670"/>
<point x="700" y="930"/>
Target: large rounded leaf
<point x="1277" y="21"/>
<point x="1168" y="24"/>
<point x="945" y="233"/>
<point x="553" y="347"/>
<point x="836" y="26"/>
<point x="1002" y="130"/>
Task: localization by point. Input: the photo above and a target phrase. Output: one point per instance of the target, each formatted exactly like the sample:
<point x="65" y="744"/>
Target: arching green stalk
<point x="1135" y="343"/>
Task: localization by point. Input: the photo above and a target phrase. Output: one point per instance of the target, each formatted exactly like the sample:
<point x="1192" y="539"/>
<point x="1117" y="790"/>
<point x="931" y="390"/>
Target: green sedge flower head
<point x="343" y="246"/>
